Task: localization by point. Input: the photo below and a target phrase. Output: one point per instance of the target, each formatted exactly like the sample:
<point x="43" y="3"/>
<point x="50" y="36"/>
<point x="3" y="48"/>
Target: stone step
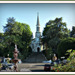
<point x="36" y="57"/>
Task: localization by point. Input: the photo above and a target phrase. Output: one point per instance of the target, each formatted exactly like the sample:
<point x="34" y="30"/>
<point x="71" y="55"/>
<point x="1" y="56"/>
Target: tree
<point x="17" y="33"/>
<point x="9" y="26"/>
<point x="1" y="37"/>
<point x="1" y="44"/>
<point x="73" y="32"/>
<point x="54" y="31"/>
<point x="64" y="45"/>
<point x="48" y="53"/>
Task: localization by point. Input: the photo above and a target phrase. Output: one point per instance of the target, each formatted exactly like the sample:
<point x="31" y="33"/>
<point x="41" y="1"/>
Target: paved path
<point x="29" y="67"/>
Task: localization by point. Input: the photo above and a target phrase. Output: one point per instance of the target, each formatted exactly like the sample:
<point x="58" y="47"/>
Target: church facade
<point x="36" y="43"/>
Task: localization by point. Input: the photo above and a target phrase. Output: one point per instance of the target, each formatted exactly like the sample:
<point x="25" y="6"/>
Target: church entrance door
<point x="38" y="49"/>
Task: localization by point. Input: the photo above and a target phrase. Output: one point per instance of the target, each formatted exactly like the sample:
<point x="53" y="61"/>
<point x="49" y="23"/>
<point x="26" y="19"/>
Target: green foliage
<point x="70" y="66"/>
<point x="48" y="53"/>
<point x="54" y="31"/>
<point x="1" y="34"/>
<point x="8" y="60"/>
<point x="0" y="66"/>
<point x="16" y="33"/>
<point x="65" y="44"/>
<point x="1" y="44"/>
<point x="73" y="32"/>
<point x="68" y="52"/>
<point x="71" y="55"/>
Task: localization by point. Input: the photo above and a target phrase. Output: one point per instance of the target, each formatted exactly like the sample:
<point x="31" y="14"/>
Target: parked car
<point x="50" y="61"/>
<point x="47" y="67"/>
<point x="64" y="61"/>
<point x="4" y="66"/>
<point x="19" y="61"/>
<point x="11" y="66"/>
<point x="57" y="62"/>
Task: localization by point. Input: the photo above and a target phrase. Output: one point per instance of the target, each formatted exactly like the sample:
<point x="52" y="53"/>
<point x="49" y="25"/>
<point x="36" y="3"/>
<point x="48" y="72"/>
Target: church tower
<point x="36" y="43"/>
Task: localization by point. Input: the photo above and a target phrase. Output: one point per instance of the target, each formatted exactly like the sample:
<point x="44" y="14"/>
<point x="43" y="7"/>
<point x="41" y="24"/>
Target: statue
<point x="54" y="57"/>
<point x="15" y="60"/>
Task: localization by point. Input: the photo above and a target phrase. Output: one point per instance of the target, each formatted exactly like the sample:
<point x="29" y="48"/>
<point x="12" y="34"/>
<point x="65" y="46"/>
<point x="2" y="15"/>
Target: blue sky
<point x="27" y="13"/>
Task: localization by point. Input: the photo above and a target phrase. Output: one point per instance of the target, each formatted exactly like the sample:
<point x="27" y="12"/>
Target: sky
<point x="27" y="13"/>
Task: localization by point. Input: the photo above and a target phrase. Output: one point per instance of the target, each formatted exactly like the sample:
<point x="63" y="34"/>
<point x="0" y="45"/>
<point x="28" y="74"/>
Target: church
<point x="36" y="44"/>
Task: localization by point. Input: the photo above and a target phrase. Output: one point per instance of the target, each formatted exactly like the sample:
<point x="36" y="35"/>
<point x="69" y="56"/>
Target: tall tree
<point x="17" y="33"/>
<point x="54" y="31"/>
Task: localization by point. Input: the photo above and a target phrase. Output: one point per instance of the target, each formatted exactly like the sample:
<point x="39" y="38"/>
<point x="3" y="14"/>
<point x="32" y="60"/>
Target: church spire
<point x="38" y="24"/>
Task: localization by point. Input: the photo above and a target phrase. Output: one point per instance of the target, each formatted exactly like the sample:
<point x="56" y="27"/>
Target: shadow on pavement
<point x="39" y="65"/>
<point x="37" y="71"/>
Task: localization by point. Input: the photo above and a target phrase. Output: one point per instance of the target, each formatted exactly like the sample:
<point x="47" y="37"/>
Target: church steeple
<point x="38" y="33"/>
<point x="38" y="19"/>
<point x="36" y="44"/>
<point x="38" y="24"/>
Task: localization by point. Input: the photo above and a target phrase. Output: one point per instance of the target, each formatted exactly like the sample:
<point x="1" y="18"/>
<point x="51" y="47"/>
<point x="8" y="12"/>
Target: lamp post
<point x="15" y="60"/>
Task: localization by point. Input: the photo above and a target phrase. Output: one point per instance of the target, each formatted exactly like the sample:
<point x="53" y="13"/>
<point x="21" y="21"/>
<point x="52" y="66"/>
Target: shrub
<point x="65" y="44"/>
<point x="70" y="66"/>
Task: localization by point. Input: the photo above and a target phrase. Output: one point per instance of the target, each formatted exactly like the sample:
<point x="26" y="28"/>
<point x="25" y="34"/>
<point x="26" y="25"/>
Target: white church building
<point x="36" y="43"/>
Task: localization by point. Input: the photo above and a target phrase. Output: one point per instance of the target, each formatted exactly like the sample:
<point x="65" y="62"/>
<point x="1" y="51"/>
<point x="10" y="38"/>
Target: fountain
<point x="15" y="60"/>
